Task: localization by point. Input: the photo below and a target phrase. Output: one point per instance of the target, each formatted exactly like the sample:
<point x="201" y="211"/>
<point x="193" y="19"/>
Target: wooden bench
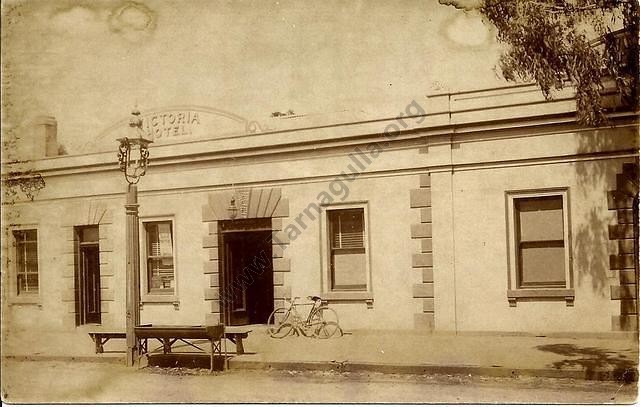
<point x="101" y="338"/>
<point x="236" y="334"/>
<point x="168" y="335"/>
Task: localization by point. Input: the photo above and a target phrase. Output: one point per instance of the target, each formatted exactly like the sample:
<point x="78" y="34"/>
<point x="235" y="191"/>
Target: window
<point x="160" y="273"/>
<point x="346" y="269"/>
<point x="348" y="263"/>
<point x="26" y="258"/>
<point x="539" y="242"/>
<point x="540" y="237"/>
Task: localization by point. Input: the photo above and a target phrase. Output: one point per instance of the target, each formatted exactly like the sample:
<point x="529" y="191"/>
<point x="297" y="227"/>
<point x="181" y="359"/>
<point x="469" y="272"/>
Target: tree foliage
<point x="29" y="182"/>
<point x="555" y="42"/>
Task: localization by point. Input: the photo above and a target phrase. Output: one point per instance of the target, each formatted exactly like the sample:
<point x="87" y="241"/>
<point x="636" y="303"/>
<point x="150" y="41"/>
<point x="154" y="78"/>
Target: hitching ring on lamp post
<point x="133" y="153"/>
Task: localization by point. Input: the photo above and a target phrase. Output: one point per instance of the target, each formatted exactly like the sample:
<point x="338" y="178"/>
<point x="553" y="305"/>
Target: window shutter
<point x="347" y="230"/>
<point x="160" y="265"/>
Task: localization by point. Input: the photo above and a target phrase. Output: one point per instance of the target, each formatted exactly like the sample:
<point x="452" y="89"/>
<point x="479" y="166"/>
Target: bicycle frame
<point x="293" y="310"/>
<point x="315" y="324"/>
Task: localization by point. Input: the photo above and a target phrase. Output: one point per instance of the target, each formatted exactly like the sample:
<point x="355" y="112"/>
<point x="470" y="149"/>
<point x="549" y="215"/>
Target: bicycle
<point x="321" y="322"/>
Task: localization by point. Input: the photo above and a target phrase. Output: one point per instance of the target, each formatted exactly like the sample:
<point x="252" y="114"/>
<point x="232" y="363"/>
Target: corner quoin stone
<point x="422" y="260"/>
<point x="281" y="264"/>
<point x="211" y="294"/>
<point x="420" y="230"/>
<point x="420" y="198"/>
<point x="423" y="290"/>
<point x="425" y="180"/>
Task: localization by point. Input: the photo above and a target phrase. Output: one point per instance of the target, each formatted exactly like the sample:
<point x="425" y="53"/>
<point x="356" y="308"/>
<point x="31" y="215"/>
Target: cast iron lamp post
<point x="133" y="156"/>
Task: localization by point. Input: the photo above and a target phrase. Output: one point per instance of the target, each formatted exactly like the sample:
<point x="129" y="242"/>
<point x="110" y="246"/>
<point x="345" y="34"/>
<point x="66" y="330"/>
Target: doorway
<point x="247" y="271"/>
<point x="87" y="282"/>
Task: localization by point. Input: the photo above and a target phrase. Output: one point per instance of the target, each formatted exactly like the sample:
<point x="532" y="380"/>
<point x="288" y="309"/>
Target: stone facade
<point x="436" y="230"/>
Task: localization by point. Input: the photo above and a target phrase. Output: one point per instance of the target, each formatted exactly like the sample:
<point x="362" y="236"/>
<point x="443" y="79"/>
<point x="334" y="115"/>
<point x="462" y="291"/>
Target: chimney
<point x="45" y="137"/>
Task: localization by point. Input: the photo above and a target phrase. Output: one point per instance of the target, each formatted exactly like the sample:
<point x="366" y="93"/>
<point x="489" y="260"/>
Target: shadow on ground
<point x="598" y="364"/>
<point x="185" y="360"/>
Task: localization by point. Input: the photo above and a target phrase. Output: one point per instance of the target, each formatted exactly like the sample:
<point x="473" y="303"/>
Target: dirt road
<point x="52" y="381"/>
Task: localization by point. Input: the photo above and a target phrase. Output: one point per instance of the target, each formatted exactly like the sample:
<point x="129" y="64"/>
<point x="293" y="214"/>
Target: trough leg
<point x="166" y="345"/>
<point x="239" y="345"/>
<point x="98" y="341"/>
<point x="212" y="355"/>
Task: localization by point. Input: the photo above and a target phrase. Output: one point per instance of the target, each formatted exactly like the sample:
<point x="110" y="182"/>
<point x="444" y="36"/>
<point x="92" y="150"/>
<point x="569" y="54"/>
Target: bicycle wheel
<point x="325" y="323"/>
<point x="278" y="324"/>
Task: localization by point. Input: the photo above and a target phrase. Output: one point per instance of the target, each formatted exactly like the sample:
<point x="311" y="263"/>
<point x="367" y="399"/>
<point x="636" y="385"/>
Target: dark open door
<point x="90" y="286"/>
<point x="247" y="277"/>
<point x="87" y="284"/>
<point x="236" y="295"/>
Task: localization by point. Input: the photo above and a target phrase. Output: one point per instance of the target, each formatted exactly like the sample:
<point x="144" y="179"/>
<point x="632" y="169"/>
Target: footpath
<point x="411" y="352"/>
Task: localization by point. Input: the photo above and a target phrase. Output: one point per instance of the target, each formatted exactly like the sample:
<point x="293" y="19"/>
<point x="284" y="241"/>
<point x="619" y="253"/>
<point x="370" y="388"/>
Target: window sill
<point x="349" y="296"/>
<point x="160" y="299"/>
<point x="568" y="294"/>
<point x="26" y="300"/>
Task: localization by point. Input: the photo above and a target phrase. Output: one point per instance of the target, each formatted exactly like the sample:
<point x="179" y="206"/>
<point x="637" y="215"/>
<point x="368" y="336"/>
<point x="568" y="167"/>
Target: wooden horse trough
<point x="169" y="335"/>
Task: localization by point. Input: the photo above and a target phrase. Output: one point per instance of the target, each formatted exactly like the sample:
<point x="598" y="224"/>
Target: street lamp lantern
<point x="133" y="157"/>
<point x="133" y="153"/>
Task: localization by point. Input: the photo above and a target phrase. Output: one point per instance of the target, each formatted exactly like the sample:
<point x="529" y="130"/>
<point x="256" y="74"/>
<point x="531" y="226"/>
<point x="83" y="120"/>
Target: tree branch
<point x="569" y="8"/>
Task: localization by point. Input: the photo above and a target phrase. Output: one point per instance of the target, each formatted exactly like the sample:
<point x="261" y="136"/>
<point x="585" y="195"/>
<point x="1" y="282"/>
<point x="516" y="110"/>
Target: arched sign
<point x="184" y="123"/>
